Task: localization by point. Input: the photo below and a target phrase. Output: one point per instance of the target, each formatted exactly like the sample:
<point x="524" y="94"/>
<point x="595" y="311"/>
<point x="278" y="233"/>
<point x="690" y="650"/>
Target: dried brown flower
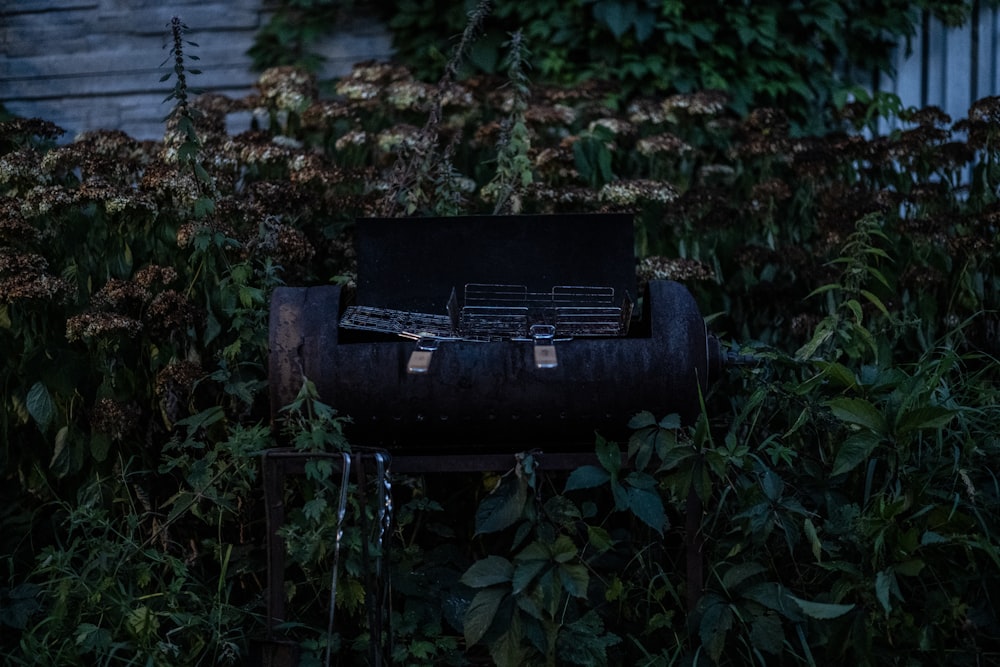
<point x="323" y="113"/>
<point x="646" y="111"/>
<point x="673" y="268"/>
<point x="155" y="275"/>
<point x="178" y="377"/>
<point x="14" y="229"/>
<point x="120" y="296"/>
<point x="630" y="192"/>
<point x="23" y="164"/>
<point x="701" y="103"/>
<point x="171" y="311"/>
<point x="933" y="116"/>
<point x="87" y="326"/>
<point x="44" y="199"/>
<point x="30" y="127"/>
<point x="556" y="114"/>
<point x="768" y="122"/>
<point x="23" y="277"/>
<point x="664" y="143"/>
<point x="115" y="419"/>
<point x="287" y="88"/>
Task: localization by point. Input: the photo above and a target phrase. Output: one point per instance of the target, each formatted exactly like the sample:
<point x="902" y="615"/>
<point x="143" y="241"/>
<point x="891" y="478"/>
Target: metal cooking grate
<point x="399" y="322"/>
<point x="493" y="312"/>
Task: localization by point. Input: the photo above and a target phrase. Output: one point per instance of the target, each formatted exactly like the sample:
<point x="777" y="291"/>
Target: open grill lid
<point x="414" y="264"/>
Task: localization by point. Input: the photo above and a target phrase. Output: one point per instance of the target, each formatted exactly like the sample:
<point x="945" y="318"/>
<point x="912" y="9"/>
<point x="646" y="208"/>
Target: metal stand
<point x="279" y="463"/>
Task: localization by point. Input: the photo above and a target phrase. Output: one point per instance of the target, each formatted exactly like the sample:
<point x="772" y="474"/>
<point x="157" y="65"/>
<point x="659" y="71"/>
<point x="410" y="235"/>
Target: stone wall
<point x="97" y="64"/>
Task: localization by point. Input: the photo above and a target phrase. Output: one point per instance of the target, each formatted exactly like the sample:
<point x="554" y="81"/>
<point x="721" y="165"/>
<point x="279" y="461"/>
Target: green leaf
<point x="671" y="421"/>
<point x="18" y="604"/>
<point x="858" y="411"/>
<point x="838" y="373"/>
<point x="563" y="550"/>
<point x="910" y="568"/>
<point x="40" y="405"/>
<point x="481" y="612"/>
<point x="647" y="506"/>
<point x="930" y="537"/>
<point x="773" y="595"/>
<point x="575" y="579"/>
<point x="562" y="510"/>
<point x="313" y="509"/>
<point x="817" y="547"/>
<point x="507" y="648"/>
<point x="642" y="420"/>
<point x="766" y="633"/>
<point x="100" y="445"/>
<point x="884" y="581"/>
<point x="853" y="451"/>
<point x="587" y="477"/>
<point x="616" y="15"/>
<point x="927" y="417"/>
<point x="821" y="610"/>
<point x="739" y="573"/>
<point x="609" y="455"/>
<point x="488" y="572"/>
<point x="772" y="485"/>
<point x="599" y="538"/>
<point x="715" y="625"/>
<point x="526" y="572"/>
<point x="502" y="508"/>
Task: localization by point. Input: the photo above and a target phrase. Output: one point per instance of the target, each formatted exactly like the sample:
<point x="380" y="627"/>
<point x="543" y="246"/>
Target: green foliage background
<point x="835" y="502"/>
<point x="794" y="55"/>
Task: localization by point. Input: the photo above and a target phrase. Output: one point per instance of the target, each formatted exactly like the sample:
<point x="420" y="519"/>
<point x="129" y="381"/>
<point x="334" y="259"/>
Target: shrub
<point x="834" y="502"/>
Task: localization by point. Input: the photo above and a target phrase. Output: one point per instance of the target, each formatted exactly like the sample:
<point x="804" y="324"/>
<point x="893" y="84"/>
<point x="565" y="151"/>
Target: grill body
<point x="490" y="393"/>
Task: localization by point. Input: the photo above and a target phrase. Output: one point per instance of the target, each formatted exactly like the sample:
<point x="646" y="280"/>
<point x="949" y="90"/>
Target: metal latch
<point x="545" y="351"/>
<point x="420" y="358"/>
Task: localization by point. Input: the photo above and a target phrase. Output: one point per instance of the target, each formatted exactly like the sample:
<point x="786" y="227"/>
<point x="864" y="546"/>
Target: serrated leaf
<point x="609" y="455"/>
<point x="575" y="579"/>
<point x="502" y="508"/>
<point x="773" y="595"/>
<point x="40" y="405"/>
<point x="772" y="485"/>
<point x="927" y="417"/>
<point x="313" y="510"/>
<point x="525" y="572"/>
<point x="647" y="506"/>
<point x="858" y="411"/>
<point x="563" y="550"/>
<point x="930" y="537"/>
<point x="853" y="451"/>
<point x="877" y="302"/>
<point x="671" y="421"/>
<point x="766" y="633"/>
<point x="739" y="573"/>
<point x="481" y="612"/>
<point x="715" y="625"/>
<point x="507" y="648"/>
<point x="599" y="538"/>
<point x="587" y="477"/>
<point x="641" y="420"/>
<point x="821" y="610"/>
<point x="838" y="373"/>
<point x="562" y="510"/>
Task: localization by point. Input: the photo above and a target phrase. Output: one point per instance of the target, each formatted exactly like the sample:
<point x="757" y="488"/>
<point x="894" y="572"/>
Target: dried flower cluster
<point x="24" y="277"/>
<point x="673" y="268"/>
